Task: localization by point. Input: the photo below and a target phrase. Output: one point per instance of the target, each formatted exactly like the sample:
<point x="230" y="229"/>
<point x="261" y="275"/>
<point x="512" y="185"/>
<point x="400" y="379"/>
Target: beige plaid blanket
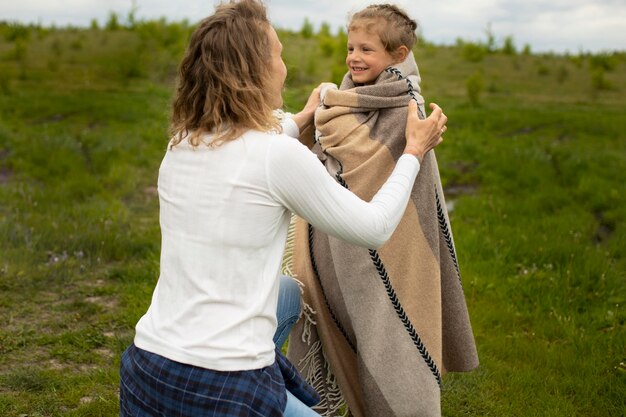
<point x="380" y="327"/>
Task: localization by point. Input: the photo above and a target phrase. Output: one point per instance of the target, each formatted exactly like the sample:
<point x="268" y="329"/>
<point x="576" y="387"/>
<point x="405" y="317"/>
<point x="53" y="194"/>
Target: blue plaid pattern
<point x="151" y="385"/>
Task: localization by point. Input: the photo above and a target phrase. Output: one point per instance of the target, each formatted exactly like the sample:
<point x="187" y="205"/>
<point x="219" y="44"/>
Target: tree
<point x="114" y="22"/>
<point x="307" y="29"/>
<point x="491" y="39"/>
<point x="509" y="46"/>
<point x="324" y="30"/>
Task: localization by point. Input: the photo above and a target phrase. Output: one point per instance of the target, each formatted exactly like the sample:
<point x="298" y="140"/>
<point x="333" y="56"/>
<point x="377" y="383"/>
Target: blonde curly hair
<point x="223" y="77"/>
<point x="393" y="25"/>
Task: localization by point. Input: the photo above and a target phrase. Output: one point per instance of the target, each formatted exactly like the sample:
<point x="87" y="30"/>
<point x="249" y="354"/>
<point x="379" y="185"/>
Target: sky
<point x="545" y="25"/>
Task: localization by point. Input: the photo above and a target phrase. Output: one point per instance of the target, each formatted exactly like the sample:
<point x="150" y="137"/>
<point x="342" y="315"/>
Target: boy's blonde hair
<point x="392" y="24"/>
<point x="224" y="75"/>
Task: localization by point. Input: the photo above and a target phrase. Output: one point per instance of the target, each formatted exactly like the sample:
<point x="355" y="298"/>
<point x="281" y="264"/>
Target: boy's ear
<point x="401" y="53"/>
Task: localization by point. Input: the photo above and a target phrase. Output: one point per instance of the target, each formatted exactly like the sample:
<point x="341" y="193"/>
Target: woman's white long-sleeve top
<point x="224" y="215"/>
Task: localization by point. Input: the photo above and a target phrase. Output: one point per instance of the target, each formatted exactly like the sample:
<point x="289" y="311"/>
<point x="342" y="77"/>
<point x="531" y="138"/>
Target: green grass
<point x="540" y="249"/>
<point x="534" y="168"/>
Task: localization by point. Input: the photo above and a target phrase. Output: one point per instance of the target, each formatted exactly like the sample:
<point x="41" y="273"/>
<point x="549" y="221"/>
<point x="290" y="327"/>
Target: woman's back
<point x="223" y="236"/>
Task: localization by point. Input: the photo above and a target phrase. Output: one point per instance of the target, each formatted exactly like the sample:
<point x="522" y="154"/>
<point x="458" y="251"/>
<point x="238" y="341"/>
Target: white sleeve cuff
<point x="290" y="128"/>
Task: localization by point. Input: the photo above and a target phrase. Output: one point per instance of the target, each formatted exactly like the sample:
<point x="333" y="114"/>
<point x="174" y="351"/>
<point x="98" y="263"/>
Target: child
<point x="381" y="326"/>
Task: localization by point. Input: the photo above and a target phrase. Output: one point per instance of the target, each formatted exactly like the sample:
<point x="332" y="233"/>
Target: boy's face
<point x="367" y="56"/>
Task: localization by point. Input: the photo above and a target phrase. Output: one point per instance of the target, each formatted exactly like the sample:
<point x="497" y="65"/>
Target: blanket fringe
<point x="315" y="366"/>
<point x="308" y="313"/>
<point x="287" y="262"/>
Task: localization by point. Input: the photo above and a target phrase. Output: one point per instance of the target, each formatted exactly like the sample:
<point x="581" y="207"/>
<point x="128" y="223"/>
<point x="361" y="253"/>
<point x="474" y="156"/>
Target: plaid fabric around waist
<point x="151" y="385"/>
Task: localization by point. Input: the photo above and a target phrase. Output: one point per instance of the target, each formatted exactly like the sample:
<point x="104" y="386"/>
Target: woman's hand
<point x="424" y="135"/>
<point x="305" y="117"/>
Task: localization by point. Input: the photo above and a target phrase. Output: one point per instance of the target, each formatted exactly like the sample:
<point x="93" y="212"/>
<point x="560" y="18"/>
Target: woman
<point x="227" y="186"/>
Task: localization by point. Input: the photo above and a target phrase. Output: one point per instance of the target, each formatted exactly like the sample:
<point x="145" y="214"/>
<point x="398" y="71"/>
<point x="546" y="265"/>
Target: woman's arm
<point x="302" y="184"/>
<point x="304" y="118"/>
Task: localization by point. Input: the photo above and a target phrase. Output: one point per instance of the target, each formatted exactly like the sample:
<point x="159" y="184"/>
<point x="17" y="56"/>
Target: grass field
<point x="533" y="167"/>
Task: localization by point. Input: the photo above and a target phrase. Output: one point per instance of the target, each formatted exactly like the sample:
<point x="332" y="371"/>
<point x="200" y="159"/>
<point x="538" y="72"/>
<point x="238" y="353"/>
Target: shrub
<point x="599" y="81"/>
<point x="327" y="46"/>
<point x="19" y="51"/>
<point x="114" y="22"/>
<point x="475" y="84"/>
<point x="542" y="69"/>
<point x="324" y="30"/>
<point x="13" y="32"/>
<point x="509" y="46"/>
<point x="577" y="60"/>
<point x="170" y="36"/>
<point x="76" y="44"/>
<point x="562" y="74"/>
<point x="473" y="52"/>
<point x="604" y="61"/>
<point x="307" y="29"/>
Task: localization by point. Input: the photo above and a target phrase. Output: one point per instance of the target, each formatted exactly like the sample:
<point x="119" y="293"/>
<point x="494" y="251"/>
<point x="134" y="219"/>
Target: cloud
<point x="558" y="25"/>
